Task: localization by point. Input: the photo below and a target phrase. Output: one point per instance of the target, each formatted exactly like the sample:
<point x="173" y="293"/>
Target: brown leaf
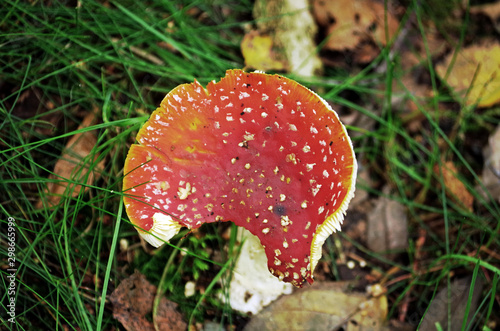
<point x="492" y="10"/>
<point x="133" y="300"/>
<point x="75" y="165"/>
<point x="475" y="75"/>
<point x="349" y="22"/>
<point x="455" y="189"/>
<point x="326" y="306"/>
<point x="387" y="227"/>
<point x="450" y="303"/>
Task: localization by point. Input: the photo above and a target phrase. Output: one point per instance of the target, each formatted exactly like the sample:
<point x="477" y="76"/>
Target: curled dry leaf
<point x="475" y="75"/>
<point x="258" y="52"/>
<point x="77" y="164"/>
<point x="491" y="170"/>
<point x="351" y="22"/>
<point x="327" y="306"/>
<point x="387" y="227"/>
<point x="449" y="306"/>
<point x="133" y="301"/>
<point x="492" y="10"/>
<point x="455" y="189"/>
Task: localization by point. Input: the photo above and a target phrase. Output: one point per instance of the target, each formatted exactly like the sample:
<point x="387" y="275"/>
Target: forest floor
<point x="417" y="84"/>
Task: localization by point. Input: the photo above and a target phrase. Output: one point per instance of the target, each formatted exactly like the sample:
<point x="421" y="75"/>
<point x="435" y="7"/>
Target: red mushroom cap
<point x="259" y="150"/>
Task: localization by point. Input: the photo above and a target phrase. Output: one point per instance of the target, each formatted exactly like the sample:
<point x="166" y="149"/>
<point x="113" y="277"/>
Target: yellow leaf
<point x="325" y="306"/>
<point x="259" y="54"/>
<point x="476" y="68"/>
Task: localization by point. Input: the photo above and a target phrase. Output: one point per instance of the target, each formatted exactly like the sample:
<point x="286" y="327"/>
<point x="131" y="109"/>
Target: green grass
<point x="59" y="61"/>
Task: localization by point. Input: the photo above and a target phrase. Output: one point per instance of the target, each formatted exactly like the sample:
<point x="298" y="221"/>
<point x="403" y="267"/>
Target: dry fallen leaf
<point x="455" y="189"/>
<point x="387" y="227"/>
<point x="492" y="10"/>
<point x="491" y="170"/>
<point x="259" y="54"/>
<point x="133" y="301"/>
<point x="76" y="164"/>
<point x="351" y="22"/>
<point x="449" y="306"/>
<point x="325" y="306"/>
<point x="475" y="75"/>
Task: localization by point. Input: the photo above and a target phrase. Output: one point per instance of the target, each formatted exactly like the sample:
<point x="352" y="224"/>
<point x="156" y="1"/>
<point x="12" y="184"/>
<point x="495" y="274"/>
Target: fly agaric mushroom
<point x="259" y="150"/>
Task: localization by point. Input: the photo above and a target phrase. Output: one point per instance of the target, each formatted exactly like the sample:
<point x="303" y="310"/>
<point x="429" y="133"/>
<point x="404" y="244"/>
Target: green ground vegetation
<point x="61" y="60"/>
